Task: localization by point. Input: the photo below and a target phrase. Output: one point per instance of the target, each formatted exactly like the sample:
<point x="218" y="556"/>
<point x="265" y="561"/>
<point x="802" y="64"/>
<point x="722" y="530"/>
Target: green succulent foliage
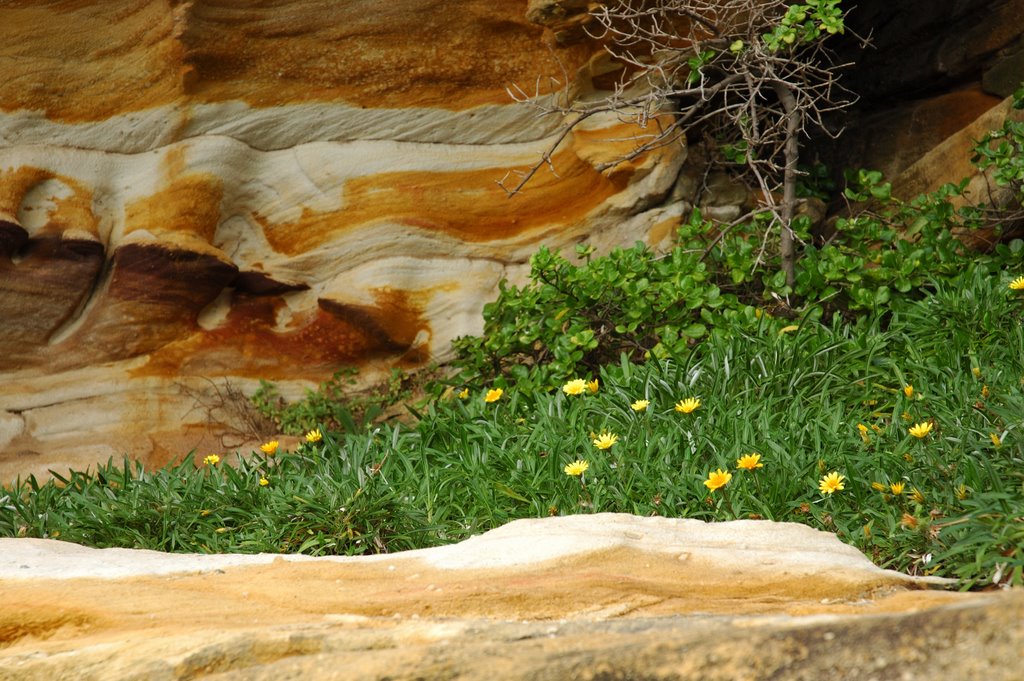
<point x="575" y="317"/>
<point x="696" y="63"/>
<point x="894" y="247"/>
<point x="1002" y="151"/>
<point x="805" y="23"/>
<point x="815" y="181"/>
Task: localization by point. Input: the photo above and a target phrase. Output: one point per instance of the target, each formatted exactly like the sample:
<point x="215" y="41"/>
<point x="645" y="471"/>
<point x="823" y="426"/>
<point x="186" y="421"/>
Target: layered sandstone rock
<point x="196" y="195"/>
<point x="587" y="597"/>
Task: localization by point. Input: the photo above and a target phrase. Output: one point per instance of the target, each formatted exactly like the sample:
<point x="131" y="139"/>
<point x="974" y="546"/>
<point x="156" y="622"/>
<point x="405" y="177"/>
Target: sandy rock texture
<point x="197" y="195"/>
<point x="584" y="597"/>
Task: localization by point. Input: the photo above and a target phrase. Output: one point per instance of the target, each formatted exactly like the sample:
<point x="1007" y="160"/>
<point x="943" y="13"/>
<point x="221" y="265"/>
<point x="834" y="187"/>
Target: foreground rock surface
<point x="585" y="597"/>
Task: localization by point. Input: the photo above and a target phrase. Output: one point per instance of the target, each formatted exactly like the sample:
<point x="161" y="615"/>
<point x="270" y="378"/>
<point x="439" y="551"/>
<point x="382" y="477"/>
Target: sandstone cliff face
<point x="217" y="189"/>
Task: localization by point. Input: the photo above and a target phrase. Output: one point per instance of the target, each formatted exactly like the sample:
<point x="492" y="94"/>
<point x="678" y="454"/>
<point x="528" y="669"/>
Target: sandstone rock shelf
<point x="606" y="596"/>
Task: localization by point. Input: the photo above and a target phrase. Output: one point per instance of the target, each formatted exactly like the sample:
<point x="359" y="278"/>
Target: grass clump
<point x="301" y="501"/>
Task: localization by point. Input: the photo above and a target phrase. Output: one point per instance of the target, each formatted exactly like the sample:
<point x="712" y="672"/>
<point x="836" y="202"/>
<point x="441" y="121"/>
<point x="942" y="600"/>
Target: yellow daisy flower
<point x="1017" y="284"/>
<point x="688" y="405"/>
<point x="996" y="442"/>
<point x="896" y="488"/>
<point x="493" y="395"/>
<point x="908" y="390"/>
<point x="264" y="482"/>
<point x="576" y="468"/>
<point x="593" y="386"/>
<point x="640" y="405"/>
<point x="864" y="432"/>
<point x="605" y="440"/>
<point x="314" y="435"/>
<point x="833" y="482"/>
<point x="212" y="460"/>
<point x="574" y="387"/>
<point x="920" y="430"/>
<point x="749" y="462"/>
<point x="269" y="448"/>
<point x="464" y="393"/>
<point x="717" y="479"/>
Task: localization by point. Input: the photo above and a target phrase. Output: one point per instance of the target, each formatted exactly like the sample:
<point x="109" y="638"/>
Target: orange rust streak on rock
<point x="73" y="212"/>
<point x="467" y="205"/>
<point x="247" y="342"/>
<point x="662" y="230"/>
<point x="393" y="316"/>
<point x="189" y="203"/>
<point x="15" y="183"/>
<point x="610" y="144"/>
<point x="397" y="54"/>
